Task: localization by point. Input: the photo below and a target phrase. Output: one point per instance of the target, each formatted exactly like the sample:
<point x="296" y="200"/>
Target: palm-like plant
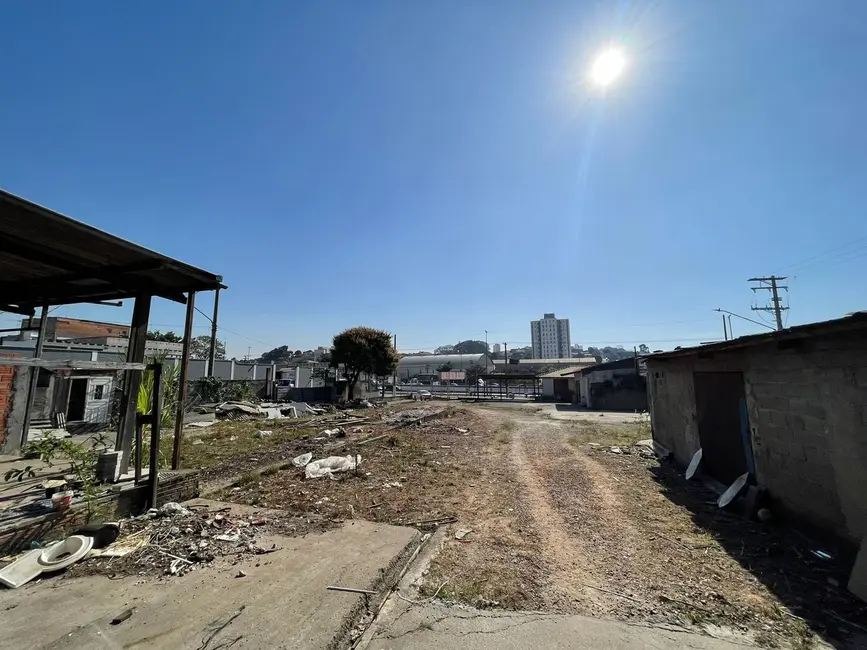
<point x="170" y="379"/>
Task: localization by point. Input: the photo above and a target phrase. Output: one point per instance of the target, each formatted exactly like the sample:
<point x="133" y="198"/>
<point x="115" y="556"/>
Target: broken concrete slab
<point x="283" y="601"/>
<point x="437" y="625"/>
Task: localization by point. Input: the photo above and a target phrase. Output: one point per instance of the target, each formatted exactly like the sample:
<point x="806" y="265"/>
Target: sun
<point x="607" y="67"/>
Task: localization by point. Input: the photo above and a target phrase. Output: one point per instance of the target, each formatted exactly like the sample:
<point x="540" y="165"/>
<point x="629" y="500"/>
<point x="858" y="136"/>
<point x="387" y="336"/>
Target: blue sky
<point x="441" y="168"/>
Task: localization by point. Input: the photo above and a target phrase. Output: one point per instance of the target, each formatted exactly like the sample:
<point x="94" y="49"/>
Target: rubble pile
<point x="175" y="539"/>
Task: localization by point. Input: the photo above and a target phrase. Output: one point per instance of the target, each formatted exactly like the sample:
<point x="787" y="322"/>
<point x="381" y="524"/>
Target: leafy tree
<point x="363" y="349"/>
<point x="200" y="348"/>
<point x="445" y="349"/>
<point x="474" y="371"/>
<point x="278" y="355"/>
<point x="169" y="337"/>
<point x="643" y="349"/>
<point x="445" y="367"/>
<point x="470" y="347"/>
<point x="298" y="353"/>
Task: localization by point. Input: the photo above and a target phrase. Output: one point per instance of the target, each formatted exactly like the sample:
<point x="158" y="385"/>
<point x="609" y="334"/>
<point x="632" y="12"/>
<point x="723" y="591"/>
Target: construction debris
<point x="188" y="539"/>
<point x="302" y="460"/>
<point x="734" y="490"/>
<point x="693" y="465"/>
<point x="462" y="533"/>
<point x="328" y="466"/>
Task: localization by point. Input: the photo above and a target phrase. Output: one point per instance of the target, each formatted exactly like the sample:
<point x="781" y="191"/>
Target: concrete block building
<point x="789" y="407"/>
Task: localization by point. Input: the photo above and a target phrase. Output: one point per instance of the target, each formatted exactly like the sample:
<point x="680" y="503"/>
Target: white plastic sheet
<point x="302" y="460"/>
<point x="330" y="465"/>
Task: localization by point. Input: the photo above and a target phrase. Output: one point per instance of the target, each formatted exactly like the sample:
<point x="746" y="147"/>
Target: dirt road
<point x="571" y="528"/>
<point x="549" y="518"/>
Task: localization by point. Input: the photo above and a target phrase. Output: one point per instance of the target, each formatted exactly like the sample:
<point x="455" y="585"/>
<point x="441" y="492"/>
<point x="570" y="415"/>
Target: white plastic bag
<point x="302" y="460"/>
<point x="330" y="465"/>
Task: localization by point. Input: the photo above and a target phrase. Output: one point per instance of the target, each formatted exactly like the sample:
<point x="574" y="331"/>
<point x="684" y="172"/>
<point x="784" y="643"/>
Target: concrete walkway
<point x="281" y="602"/>
<point x="410" y="627"/>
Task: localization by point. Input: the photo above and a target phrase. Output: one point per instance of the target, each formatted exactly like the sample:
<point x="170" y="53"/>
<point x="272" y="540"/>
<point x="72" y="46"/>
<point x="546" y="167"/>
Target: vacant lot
<point x="547" y="517"/>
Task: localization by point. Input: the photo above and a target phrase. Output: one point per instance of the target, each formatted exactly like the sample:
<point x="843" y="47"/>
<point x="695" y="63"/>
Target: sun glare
<point x="607" y="67"/>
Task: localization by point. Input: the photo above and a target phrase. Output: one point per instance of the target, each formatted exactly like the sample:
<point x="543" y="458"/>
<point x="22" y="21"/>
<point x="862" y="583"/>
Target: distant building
<point x="497" y="348"/>
<point x="59" y="328"/>
<point x="428" y="366"/>
<point x="551" y="338"/>
<point x="118" y="345"/>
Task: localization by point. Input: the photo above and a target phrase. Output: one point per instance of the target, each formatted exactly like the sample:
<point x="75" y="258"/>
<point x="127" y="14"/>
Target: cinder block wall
<point x="808" y="418"/>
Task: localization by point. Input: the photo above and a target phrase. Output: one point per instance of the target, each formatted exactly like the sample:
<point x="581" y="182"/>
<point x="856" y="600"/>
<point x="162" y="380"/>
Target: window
<point x="43" y="379"/>
<point x="99" y="391"/>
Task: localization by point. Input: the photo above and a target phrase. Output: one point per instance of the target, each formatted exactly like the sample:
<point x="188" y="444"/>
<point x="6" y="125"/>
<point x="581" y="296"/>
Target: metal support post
<point x="132" y="380"/>
<point x="156" y="412"/>
<point x="212" y="354"/>
<point x="182" y="380"/>
<point x="34" y="372"/>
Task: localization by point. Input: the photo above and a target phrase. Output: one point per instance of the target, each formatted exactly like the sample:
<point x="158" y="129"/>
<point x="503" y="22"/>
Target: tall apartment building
<point x="551" y="339"/>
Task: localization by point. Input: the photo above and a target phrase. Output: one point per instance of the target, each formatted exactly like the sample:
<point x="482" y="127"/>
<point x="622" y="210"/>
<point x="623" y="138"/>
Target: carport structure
<point x="49" y="259"/>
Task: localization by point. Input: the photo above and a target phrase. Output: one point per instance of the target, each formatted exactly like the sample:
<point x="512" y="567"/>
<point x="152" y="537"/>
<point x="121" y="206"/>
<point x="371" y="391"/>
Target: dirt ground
<point x="549" y="519"/>
<point x="540" y="514"/>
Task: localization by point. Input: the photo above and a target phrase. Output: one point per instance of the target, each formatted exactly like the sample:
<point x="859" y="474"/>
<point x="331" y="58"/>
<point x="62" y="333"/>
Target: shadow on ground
<point x="782" y="558"/>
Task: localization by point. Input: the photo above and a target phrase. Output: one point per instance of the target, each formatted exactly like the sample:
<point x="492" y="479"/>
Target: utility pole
<point x="212" y="353"/>
<point x="394" y="376"/>
<point x="773" y="287"/>
<point x="506" y="371"/>
<point x="725" y="331"/>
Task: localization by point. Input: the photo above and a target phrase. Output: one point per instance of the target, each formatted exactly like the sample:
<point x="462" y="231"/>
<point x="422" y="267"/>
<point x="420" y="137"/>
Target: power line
<point x="731" y="313"/>
<point x="823" y="254"/>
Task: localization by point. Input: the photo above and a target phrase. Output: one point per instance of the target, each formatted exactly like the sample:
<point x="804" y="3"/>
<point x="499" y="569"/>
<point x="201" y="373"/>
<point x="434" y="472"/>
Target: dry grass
<point x="617" y="434"/>
<point x="227" y="440"/>
<point x="412" y="475"/>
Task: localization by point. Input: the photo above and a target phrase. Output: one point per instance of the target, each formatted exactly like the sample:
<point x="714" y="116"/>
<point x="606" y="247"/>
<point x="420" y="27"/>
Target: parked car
<point x="421" y="395"/>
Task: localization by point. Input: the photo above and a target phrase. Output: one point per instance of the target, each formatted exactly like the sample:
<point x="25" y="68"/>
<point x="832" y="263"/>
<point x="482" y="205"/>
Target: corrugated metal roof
<point x="565" y="372"/>
<point x="48" y="258"/>
<point x="550" y="362"/>
<point x="854" y="322"/>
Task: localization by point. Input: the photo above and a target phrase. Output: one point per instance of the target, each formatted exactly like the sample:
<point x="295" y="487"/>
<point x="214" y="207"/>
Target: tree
<point x="643" y="349"/>
<point x="445" y="349"/>
<point x="363" y="349"/>
<point x="278" y="355"/>
<point x="445" y="367"/>
<point x="470" y="347"/>
<point x="200" y="348"/>
<point x="169" y="337"/>
<point x="474" y="371"/>
<point x="298" y="353"/>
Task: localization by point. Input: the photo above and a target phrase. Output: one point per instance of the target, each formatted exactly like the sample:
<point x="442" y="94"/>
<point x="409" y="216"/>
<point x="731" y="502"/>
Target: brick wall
<point x="7" y="379"/>
<point x="807" y="409"/>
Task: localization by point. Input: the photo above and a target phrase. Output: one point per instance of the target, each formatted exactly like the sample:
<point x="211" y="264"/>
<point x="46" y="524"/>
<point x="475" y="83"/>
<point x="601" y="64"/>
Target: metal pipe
<point x="139" y="426"/>
<point x="34" y="374"/>
<point x="156" y="413"/>
<point x="182" y="380"/>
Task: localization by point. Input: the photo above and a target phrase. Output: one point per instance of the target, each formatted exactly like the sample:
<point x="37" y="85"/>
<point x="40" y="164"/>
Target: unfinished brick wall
<point x="7" y="380"/>
<point x="807" y="410"/>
